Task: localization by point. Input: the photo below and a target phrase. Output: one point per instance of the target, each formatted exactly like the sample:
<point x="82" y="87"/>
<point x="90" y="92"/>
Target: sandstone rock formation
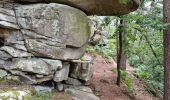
<point x="38" y="43"/>
<point x="35" y="38"/>
<point x="97" y="7"/>
<point x="43" y="40"/>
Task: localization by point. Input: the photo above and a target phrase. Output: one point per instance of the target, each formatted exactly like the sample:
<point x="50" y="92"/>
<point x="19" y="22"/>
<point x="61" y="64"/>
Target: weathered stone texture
<point x="45" y="30"/>
<point x="35" y="38"/>
<point x="62" y="74"/>
<point x="97" y="7"/>
<point x="43" y="40"/>
<point x="82" y="70"/>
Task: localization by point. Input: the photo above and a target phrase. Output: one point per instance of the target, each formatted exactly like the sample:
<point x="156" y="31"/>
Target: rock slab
<point x="82" y="93"/>
<point x="97" y="7"/>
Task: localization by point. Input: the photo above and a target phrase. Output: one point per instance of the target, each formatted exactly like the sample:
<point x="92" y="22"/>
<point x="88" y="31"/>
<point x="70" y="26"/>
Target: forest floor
<point x="104" y="85"/>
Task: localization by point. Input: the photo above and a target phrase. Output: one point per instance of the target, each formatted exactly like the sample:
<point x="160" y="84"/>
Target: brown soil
<point x="63" y="96"/>
<point x="104" y="79"/>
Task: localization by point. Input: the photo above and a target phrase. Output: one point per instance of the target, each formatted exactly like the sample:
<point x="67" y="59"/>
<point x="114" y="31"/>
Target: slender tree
<point x="121" y="55"/>
<point x="124" y="37"/>
<point x="166" y="13"/>
<point x="119" y="52"/>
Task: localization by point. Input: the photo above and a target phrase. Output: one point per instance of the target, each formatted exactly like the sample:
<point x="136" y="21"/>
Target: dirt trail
<point x="104" y="79"/>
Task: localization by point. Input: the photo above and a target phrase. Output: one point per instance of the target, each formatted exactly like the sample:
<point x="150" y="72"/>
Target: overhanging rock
<point x="97" y="7"/>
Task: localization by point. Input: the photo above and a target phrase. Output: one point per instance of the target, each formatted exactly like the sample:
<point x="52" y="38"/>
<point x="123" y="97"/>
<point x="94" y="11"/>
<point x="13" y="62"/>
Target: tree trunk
<point x="123" y="60"/>
<point x="121" y="54"/>
<point x="166" y="12"/>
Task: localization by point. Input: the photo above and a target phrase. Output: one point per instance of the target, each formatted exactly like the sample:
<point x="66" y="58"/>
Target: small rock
<point x="43" y="89"/>
<point x="72" y="81"/>
<point x="81" y="94"/>
<point x="62" y="74"/>
<point x="12" y="77"/>
<point x="39" y="76"/>
<point x="81" y="70"/>
<point x="84" y="88"/>
<point x="60" y="86"/>
<point x="70" y="91"/>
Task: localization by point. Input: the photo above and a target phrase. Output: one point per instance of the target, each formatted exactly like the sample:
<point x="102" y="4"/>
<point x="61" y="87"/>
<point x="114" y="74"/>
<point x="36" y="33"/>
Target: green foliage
<point x="167" y="26"/>
<point x="156" y="91"/>
<point x="107" y="51"/>
<point x="143" y="73"/>
<point x="43" y="96"/>
<point x="128" y="80"/>
<point x="107" y="21"/>
<point x="147" y="23"/>
<point x="114" y="70"/>
<point x="92" y="51"/>
<point x="144" y="43"/>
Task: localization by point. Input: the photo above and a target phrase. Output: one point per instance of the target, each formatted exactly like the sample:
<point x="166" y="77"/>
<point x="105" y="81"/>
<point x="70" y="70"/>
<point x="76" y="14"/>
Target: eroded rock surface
<point x="82" y="70"/>
<point x="45" y="30"/>
<point x="38" y="42"/>
<point x="97" y="7"/>
<point x="33" y="65"/>
<point x="44" y="40"/>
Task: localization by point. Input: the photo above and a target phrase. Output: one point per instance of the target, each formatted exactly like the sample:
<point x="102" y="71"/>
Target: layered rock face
<point x="39" y="42"/>
<point x="43" y="40"/>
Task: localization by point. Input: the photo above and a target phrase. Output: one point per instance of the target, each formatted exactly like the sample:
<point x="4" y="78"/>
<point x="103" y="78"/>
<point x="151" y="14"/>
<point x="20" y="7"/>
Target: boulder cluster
<point x="44" y="40"/>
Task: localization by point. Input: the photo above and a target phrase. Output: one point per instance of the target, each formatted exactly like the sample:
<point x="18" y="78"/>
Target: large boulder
<point x="97" y="7"/>
<point x="59" y="23"/>
<point x="39" y="40"/>
<point x="52" y="30"/>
